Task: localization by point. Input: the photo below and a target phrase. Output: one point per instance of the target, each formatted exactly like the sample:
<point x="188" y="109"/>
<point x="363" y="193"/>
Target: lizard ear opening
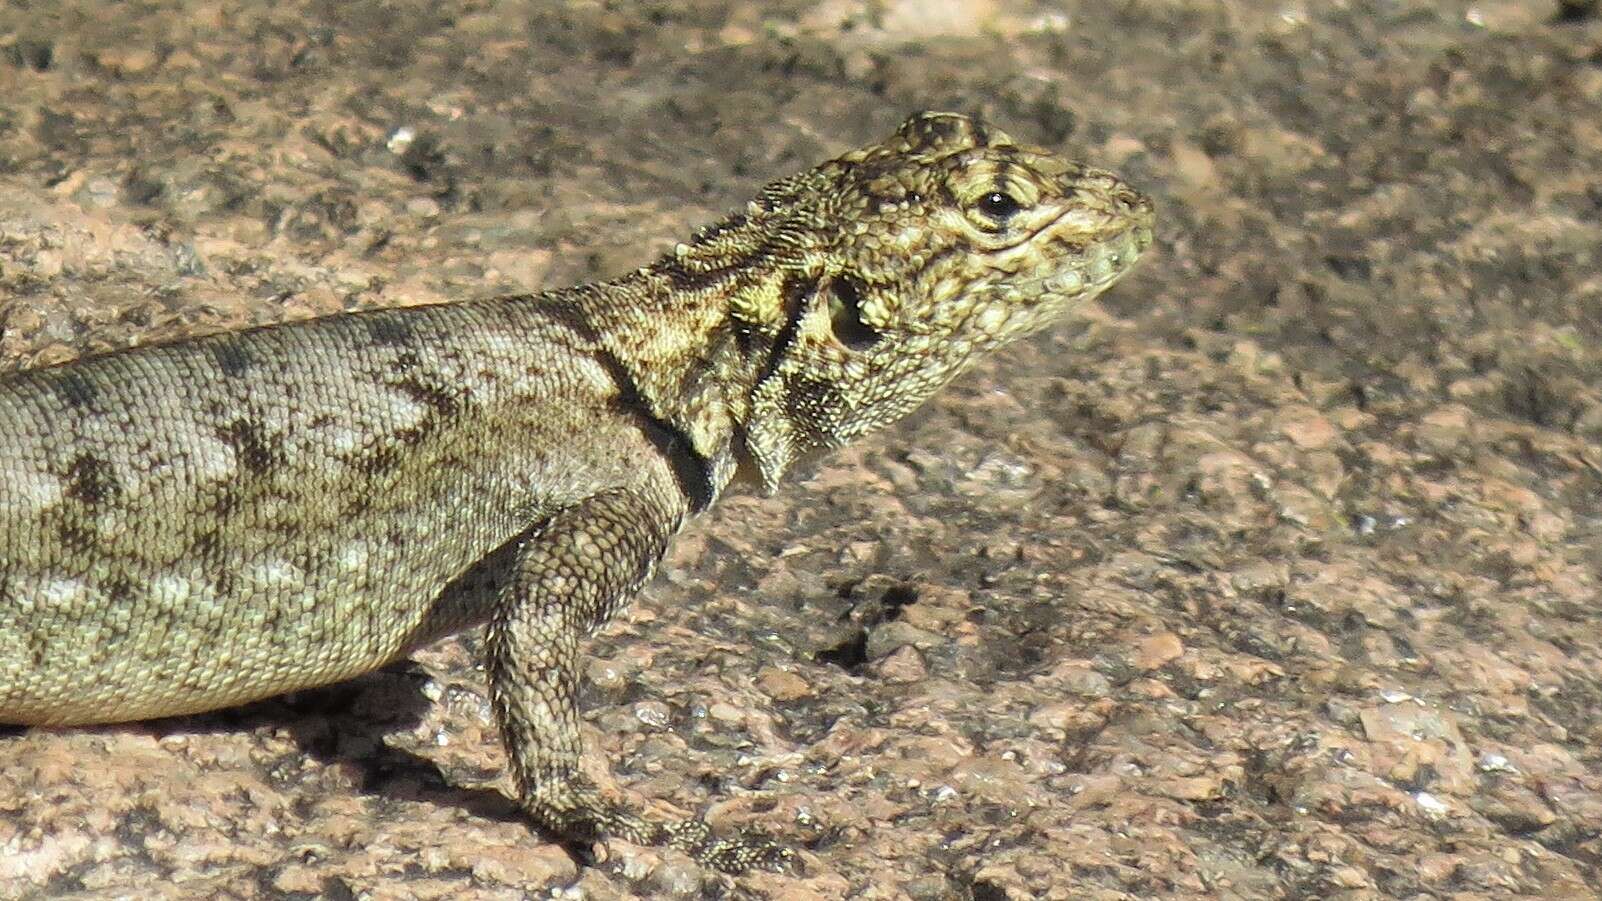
<point x="845" y="315"/>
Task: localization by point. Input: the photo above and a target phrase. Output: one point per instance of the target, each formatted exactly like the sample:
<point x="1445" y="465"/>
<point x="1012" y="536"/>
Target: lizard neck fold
<point x="699" y="336"/>
<point x="679" y="363"/>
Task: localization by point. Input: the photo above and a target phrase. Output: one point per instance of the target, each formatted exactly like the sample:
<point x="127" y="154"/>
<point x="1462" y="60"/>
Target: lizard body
<point x="195" y="525"/>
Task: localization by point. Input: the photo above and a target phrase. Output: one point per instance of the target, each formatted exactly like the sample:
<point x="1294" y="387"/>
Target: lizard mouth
<point x="1098" y="234"/>
<point x="1080" y="267"/>
<point x="1099" y="265"/>
<point x="1021" y="304"/>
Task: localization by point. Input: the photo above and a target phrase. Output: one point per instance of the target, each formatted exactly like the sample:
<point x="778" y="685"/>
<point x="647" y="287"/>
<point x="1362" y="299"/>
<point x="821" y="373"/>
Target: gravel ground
<point x="1274" y="575"/>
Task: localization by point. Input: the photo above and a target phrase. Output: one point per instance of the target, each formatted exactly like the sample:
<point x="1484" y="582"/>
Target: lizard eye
<point x="999" y="206"/>
<point x="845" y="315"/>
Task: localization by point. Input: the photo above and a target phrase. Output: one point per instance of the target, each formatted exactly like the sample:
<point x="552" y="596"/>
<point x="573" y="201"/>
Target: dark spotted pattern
<point x="202" y="524"/>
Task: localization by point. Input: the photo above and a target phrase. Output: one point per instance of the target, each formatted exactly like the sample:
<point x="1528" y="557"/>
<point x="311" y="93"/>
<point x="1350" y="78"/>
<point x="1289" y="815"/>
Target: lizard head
<point x="899" y="263"/>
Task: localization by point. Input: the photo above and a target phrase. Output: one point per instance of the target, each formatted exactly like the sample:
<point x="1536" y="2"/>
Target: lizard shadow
<point x="345" y="725"/>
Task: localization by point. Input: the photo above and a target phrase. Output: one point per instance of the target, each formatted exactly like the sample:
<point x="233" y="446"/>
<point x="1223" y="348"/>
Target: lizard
<point x="199" y="524"/>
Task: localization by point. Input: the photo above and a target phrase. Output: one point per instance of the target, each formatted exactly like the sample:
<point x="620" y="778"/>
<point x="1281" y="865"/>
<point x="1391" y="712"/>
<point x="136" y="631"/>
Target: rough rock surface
<point x="1274" y="575"/>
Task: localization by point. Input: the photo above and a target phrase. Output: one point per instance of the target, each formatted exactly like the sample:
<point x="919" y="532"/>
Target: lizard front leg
<point x="570" y="577"/>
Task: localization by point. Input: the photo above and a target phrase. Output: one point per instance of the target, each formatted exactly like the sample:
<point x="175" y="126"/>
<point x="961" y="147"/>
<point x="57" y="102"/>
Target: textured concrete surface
<point x="1273" y="576"/>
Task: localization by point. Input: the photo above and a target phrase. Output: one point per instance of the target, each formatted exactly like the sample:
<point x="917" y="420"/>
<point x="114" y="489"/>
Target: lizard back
<point x="179" y="522"/>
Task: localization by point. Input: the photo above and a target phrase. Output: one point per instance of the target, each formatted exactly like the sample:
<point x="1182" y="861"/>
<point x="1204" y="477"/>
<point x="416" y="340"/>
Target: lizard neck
<point x="679" y="359"/>
<point x="698" y="336"/>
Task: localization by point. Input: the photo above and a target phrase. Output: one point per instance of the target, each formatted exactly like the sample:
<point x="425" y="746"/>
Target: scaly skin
<point x="195" y="525"/>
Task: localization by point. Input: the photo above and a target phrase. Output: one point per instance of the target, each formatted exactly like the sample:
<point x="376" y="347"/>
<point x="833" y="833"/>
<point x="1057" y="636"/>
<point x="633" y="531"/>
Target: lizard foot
<point x="584" y="818"/>
<point x="728" y="855"/>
